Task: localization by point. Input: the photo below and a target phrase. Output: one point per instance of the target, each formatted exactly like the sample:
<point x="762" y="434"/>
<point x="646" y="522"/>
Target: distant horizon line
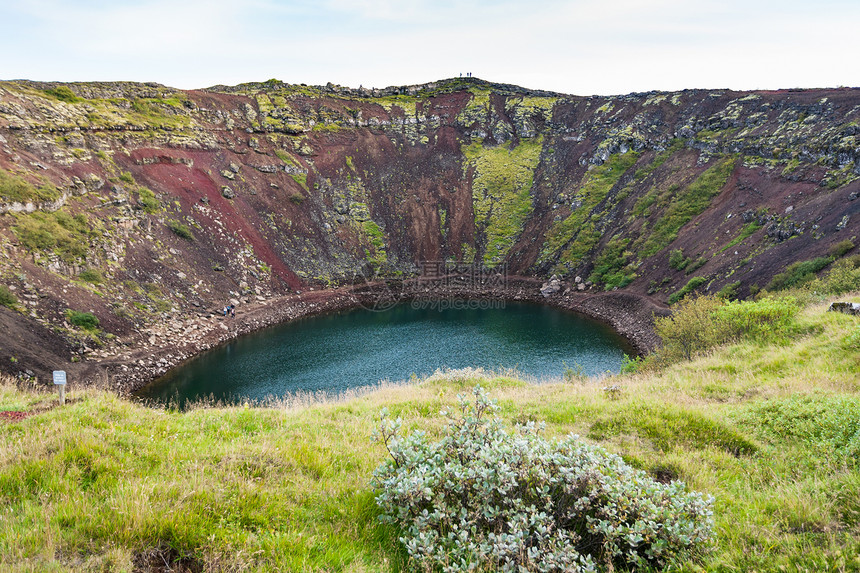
<point x="469" y="79"/>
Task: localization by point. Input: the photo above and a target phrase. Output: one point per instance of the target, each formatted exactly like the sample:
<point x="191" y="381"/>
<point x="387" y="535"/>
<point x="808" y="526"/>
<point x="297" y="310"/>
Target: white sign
<point x="60" y="377"/>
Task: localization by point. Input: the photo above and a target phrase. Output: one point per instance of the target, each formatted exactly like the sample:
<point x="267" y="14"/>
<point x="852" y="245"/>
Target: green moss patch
<point x="612" y="266"/>
<point x="83" y="320"/>
<point x="180" y="229"/>
<point x="687" y="204"/>
<point x="502" y="179"/>
<point x="576" y="235"/>
<point x="148" y="201"/>
<point x="375" y="253"/>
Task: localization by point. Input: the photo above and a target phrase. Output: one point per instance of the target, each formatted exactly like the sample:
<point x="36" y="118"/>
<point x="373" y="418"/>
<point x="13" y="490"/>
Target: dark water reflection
<point x="356" y="348"/>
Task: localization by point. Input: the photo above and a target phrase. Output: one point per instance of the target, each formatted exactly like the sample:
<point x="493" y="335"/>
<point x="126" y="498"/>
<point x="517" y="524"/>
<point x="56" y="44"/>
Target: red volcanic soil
<point x="13" y="416"/>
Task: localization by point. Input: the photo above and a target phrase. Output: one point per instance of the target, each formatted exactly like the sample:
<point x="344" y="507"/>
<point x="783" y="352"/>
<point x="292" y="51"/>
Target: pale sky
<point x="571" y="46"/>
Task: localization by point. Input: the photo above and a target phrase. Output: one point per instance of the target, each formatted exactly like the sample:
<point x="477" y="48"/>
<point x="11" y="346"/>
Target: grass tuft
<point x="16" y="189"/>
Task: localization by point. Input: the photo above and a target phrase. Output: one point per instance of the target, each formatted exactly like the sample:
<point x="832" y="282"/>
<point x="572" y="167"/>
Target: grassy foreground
<point x="104" y="484"/>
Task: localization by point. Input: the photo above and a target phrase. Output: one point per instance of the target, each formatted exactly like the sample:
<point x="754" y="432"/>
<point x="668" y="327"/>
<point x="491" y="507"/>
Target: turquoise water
<point x="359" y="347"/>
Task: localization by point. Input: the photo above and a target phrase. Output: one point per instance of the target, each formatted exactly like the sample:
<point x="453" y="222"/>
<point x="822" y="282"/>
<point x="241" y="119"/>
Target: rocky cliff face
<point x="146" y="206"/>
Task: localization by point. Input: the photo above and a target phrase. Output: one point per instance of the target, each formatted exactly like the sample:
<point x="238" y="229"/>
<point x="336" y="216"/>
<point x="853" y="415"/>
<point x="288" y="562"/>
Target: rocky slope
<point x="150" y="207"/>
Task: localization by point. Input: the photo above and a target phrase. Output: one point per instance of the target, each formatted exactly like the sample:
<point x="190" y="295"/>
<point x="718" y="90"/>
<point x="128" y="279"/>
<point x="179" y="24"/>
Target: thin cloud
<point x="570" y="46"/>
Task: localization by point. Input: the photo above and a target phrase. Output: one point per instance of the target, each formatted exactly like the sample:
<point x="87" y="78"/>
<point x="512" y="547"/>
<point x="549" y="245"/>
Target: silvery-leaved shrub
<point x="485" y="498"/>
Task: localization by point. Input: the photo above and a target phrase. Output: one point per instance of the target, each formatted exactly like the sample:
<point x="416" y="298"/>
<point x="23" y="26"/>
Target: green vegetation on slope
<point x="746" y="232"/>
<point x="798" y="273"/>
<point x="611" y="267"/>
<point x="57" y="232"/>
<point x="691" y="286"/>
<point x="375" y="253"/>
<point x="686" y="204"/>
<point x="63" y="93"/>
<point x="502" y="179"/>
<point x="180" y="229"/>
<point x="7" y="297"/>
<point x="167" y="113"/>
<point x="661" y="158"/>
<point x="16" y="189"/>
<point x="83" y="320"/>
<point x="577" y="234"/>
<point x="148" y="201"/>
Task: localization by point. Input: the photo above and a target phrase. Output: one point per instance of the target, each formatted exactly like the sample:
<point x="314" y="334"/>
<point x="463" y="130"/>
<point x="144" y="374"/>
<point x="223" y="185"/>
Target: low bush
<point x="147" y="200"/>
<point x="91" y="276"/>
<point x="689" y="329"/>
<point x="484" y="498"/>
<point x="798" y="273"/>
<point x="180" y="229"/>
<point x="7" y="297"/>
<point x="729" y="291"/>
<point x="677" y="260"/>
<point x="704" y="322"/>
<point x="841" y="248"/>
<point x="769" y="319"/>
<point x="691" y="286"/>
<point x="843" y="277"/>
<point x="84" y="320"/>
<point x="631" y="364"/>
<point x="695" y="265"/>
<point x="828" y="424"/>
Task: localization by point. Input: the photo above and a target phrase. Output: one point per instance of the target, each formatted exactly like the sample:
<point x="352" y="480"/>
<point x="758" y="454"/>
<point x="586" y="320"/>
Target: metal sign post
<point x="60" y="383"/>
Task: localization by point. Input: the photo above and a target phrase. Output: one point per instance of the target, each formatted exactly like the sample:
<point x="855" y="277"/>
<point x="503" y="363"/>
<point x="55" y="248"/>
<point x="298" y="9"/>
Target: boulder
<point x="552" y="286"/>
<point x="227" y="192"/>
